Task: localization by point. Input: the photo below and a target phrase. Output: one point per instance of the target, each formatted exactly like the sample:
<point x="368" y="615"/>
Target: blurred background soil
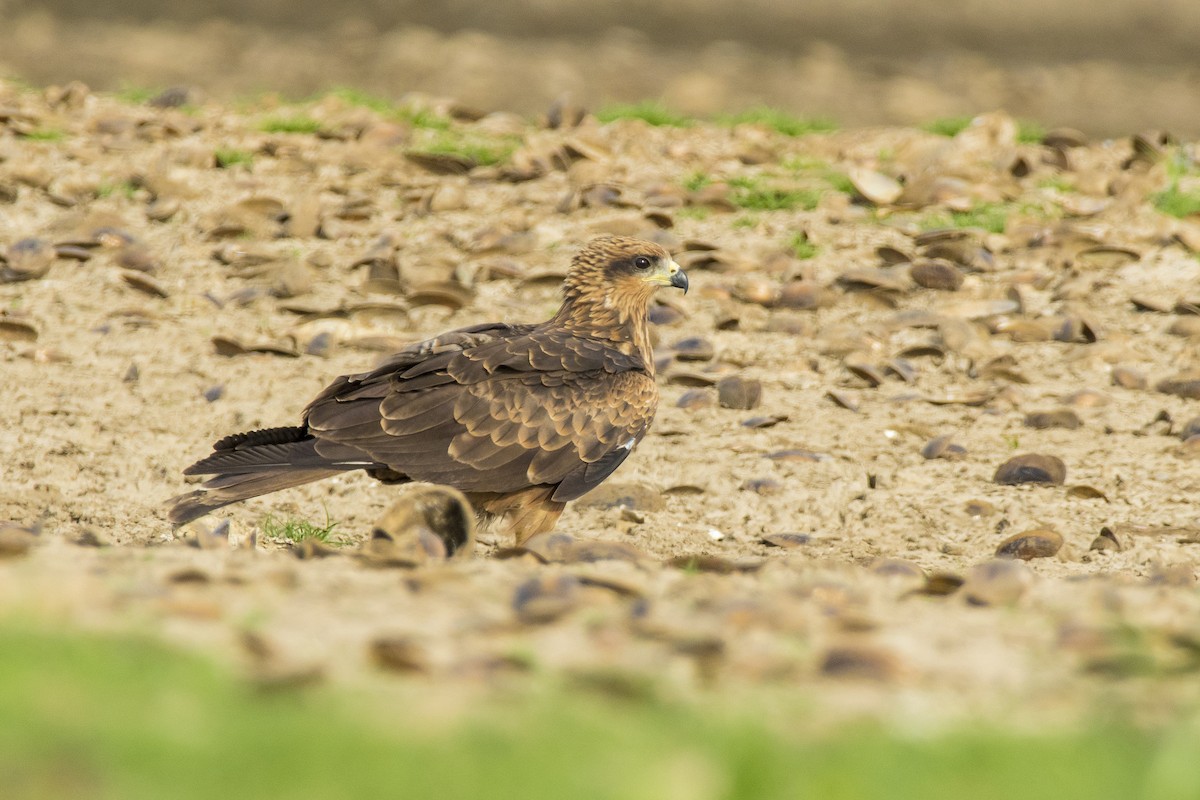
<point x="1109" y="68"/>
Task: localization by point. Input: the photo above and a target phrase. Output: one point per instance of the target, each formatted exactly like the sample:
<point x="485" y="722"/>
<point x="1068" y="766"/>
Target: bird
<point x="521" y="418"/>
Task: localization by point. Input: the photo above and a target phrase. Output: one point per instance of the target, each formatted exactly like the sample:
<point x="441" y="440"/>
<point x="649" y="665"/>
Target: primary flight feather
<point x="521" y="418"/>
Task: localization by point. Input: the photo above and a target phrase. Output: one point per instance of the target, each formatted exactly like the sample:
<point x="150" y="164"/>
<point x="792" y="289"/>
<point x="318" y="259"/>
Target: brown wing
<point x="528" y="408"/>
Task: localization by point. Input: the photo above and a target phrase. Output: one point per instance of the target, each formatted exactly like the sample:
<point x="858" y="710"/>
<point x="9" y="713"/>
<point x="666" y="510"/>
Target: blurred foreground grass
<point x="83" y="716"/>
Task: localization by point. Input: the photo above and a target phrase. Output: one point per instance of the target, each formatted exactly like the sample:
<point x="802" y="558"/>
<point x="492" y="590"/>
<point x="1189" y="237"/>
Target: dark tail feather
<point x="250" y="464"/>
<point x="225" y="489"/>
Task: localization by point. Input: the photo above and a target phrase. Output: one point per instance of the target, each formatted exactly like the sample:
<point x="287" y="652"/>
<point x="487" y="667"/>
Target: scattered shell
<point x="1031" y="468"/>
<point x="1036" y="543"/>
<point x="441" y="510"/>
<point x="144" y="283"/>
<point x="787" y="540"/>
<point x="897" y="567"/>
<point x="866" y="278"/>
<point x="1085" y="492"/>
<point x="1060" y="418"/>
<point x="1106" y="540"/>
<point x="26" y="259"/>
<point x="442" y="163"/>
<point x="796" y="454"/>
<point x="763" y="486"/>
<point x="843" y="399"/>
<point x="979" y="508"/>
<point x="880" y="189"/>
<point x="230" y="346"/>
<point x="860" y="662"/>
<point x="442" y="293"/>
<point x="739" y="393"/>
<point x="1185" y="384"/>
<point x="802" y="295"/>
<point x="940" y="584"/>
<point x="17" y="330"/>
<point x="715" y="564"/>
<point x="16" y="540"/>
<point x="937" y="273"/>
<point x="696" y="398"/>
<point x="943" y="447"/>
<point x="999" y="582"/>
<point x="546" y="598"/>
<point x="694" y="348"/>
<point x="1186" y="327"/>
<point x="767" y="421"/>
<point x="398" y="654"/>
<point x="1106" y="257"/>
<point x="1129" y="378"/>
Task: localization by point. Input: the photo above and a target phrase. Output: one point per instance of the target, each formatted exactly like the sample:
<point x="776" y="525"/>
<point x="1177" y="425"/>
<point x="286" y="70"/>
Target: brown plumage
<point x="521" y="418"/>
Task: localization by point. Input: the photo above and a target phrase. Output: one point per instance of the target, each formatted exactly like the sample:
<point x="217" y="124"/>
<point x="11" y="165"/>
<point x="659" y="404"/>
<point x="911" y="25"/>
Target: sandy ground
<point x="145" y="250"/>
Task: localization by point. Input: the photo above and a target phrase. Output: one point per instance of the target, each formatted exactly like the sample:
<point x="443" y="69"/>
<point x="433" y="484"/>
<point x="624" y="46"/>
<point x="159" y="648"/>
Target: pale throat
<point x="614" y="314"/>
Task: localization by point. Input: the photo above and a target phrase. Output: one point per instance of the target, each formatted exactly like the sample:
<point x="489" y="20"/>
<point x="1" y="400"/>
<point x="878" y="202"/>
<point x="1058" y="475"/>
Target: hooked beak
<point x="678" y="278"/>
<point x="669" y="274"/>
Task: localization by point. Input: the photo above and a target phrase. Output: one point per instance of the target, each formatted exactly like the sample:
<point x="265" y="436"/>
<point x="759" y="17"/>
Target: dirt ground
<point x="803" y="548"/>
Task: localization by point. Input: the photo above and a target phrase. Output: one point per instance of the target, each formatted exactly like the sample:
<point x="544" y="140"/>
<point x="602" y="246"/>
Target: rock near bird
<point x="521" y="418"/>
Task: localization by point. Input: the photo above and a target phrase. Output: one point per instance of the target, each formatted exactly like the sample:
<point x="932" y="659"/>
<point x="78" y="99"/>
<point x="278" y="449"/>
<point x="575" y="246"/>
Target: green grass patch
<point x="947" y="126"/>
<point x="756" y="194"/>
<point x="651" y="112"/>
<point x="136" y="95"/>
<point x="1057" y="182"/>
<point x="417" y="117"/>
<point x="698" y="213"/>
<point x="781" y="121"/>
<point x="299" y="123"/>
<point x="126" y="189"/>
<point x="1030" y="132"/>
<point x="483" y="151"/>
<point x="229" y="157"/>
<point x="89" y="717"/>
<point x="361" y="99"/>
<point x="744" y="222"/>
<point x="801" y="247"/>
<point x="44" y="135"/>
<point x="296" y="530"/>
<point x="992" y="217"/>
<point x="1177" y="201"/>
<point x="1181" y="198"/>
<point x="696" y="181"/>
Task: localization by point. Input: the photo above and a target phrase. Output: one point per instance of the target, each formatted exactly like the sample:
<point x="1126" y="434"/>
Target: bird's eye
<point x="641" y="262"/>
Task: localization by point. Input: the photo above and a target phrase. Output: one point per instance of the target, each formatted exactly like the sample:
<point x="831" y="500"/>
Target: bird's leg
<point x="522" y="514"/>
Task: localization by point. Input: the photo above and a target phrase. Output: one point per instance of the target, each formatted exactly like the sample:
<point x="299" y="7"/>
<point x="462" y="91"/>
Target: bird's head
<point x="621" y="272"/>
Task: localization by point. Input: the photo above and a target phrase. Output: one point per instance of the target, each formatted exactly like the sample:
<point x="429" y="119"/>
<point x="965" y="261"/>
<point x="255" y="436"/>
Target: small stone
<point x="1059" y="418"/>
<point x="860" y="662"/>
<point x="15" y="540"/>
<point x="545" y="599"/>
<point x="739" y="393"/>
<point x="999" y="582"/>
<point x="979" y="508"/>
<point x="1129" y="378"/>
<point x="696" y="398"/>
<point x="1037" y="543"/>
<point x="398" y="654"/>
<point x="694" y="349"/>
<point x="937" y="273"/>
<point x="1106" y="540"/>
<point x="1031" y="468"/>
<point x="763" y="486"/>
<point x="787" y="540"/>
<point x="943" y="447"/>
